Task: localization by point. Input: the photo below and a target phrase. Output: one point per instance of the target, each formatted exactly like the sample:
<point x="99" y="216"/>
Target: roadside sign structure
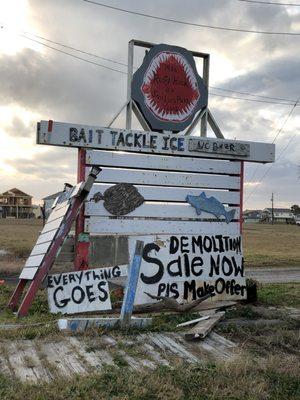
<point x="179" y="197"/>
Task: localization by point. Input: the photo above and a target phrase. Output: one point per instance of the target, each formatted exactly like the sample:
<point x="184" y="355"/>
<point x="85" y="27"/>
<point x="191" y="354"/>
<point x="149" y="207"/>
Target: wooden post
<point x="82" y="243"/>
<point x="14" y="300"/>
<point x="133" y="275"/>
<point x="241" y="196"/>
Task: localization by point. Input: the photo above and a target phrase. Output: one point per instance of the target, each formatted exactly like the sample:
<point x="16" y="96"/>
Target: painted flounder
<point x="210" y="205"/>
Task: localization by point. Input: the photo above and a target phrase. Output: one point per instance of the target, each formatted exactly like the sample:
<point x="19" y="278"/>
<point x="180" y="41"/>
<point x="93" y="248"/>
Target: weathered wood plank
<point x="34" y="261"/>
<point x="155" y="227"/>
<point x="161" y="162"/>
<point x="47" y="237"/>
<point x="159" y="210"/>
<point x="57" y="213"/>
<point x="162" y="178"/>
<point x="176" y="194"/>
<point x="40" y="248"/>
<point x="75" y="135"/>
<point x="28" y="273"/>
<point x="202" y="329"/>
<point x="52" y="225"/>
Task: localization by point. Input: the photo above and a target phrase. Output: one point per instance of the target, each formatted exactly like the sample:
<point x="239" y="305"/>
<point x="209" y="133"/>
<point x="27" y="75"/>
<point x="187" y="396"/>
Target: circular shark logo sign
<point x="168" y="89"/>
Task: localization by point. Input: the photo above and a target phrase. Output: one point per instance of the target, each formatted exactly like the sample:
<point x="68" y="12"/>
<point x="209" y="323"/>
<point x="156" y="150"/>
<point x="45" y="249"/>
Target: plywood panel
<point x="161" y="162"/>
<point x="102" y="225"/>
<point x="144" y="177"/>
<point x="153" y="193"/>
<point x="158" y="210"/>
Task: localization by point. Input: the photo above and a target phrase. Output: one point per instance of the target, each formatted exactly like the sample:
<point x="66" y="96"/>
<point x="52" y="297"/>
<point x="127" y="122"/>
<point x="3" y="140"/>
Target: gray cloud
<point x="63" y="89"/>
<point x="17" y="128"/>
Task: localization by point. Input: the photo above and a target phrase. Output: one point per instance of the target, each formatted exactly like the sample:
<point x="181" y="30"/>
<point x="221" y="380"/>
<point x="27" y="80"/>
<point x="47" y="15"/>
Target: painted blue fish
<point x="210" y="205"/>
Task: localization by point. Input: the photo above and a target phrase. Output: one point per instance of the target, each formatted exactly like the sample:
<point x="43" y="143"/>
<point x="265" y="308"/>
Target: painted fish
<point x="210" y="205"/>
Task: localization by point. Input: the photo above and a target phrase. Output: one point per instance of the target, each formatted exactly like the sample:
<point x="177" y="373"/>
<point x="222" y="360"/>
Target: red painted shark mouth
<point x="170" y="87"/>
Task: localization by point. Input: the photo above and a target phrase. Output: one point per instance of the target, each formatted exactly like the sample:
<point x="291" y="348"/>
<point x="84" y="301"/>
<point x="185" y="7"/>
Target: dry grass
<point x="264" y="245"/>
<point x="244" y="378"/>
<point x="271" y="245"/>
<point x="19" y="236"/>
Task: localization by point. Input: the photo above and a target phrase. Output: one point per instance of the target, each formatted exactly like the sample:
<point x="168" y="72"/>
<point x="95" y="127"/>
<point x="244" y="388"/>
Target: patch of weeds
<point x="244" y="378"/>
<point x="287" y="294"/>
<point x="242" y="311"/>
<point x="119" y="360"/>
<point x="283" y="386"/>
<point x="132" y="349"/>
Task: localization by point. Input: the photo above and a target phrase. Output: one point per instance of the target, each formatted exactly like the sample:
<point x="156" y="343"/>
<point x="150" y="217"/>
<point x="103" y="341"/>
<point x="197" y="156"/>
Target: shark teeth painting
<point x="210" y="205"/>
<point x="162" y="103"/>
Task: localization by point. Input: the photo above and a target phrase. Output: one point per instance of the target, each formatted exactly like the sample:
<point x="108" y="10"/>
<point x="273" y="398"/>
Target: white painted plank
<point x="52" y="225"/>
<point x="57" y="213"/>
<point x="161" y="162"/>
<point x="108" y="138"/>
<point x="34" y="261"/>
<point x="153" y="193"/>
<point x="159" y="210"/>
<point x="61" y="205"/>
<point x="162" y="178"/>
<point x="40" y="248"/>
<point x="18" y="362"/>
<point x="165" y="342"/>
<point x="90" y="358"/>
<point x="28" y="273"/>
<point x="152" y="227"/>
<point x="46" y="237"/>
<point x="32" y="358"/>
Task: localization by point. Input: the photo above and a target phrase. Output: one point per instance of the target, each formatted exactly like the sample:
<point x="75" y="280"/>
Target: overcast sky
<point x="40" y="83"/>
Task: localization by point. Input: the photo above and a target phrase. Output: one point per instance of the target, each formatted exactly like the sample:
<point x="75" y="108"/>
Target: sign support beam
<point x="133" y="275"/>
<point x="81" y="246"/>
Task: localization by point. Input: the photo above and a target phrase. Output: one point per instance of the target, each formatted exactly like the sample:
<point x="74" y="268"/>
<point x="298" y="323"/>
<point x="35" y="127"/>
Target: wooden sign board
<point x="75" y="135"/>
<point x="82" y="291"/>
<point x="168" y="89"/>
<point x="188" y="267"/>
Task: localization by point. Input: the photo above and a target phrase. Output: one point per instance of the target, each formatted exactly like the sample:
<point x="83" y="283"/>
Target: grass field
<point x="264" y="245"/>
<point x="271" y="245"/>
<point x="245" y="379"/>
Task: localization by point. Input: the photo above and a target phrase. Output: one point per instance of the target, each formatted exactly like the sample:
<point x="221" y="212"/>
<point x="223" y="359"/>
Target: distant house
<point x="16" y="204"/>
<point x="48" y="201"/>
<point x="283" y="215"/>
<point x="252" y="215"/>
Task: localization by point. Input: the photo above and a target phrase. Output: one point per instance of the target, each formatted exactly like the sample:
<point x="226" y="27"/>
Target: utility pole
<point x="272" y="201"/>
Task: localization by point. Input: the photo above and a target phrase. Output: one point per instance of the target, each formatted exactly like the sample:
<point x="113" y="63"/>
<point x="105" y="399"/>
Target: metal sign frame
<point x="131" y="106"/>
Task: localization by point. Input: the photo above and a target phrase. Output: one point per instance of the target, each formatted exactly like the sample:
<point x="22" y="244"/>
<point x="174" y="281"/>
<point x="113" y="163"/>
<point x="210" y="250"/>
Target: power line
<point x="280" y="155"/>
<point x="72" y="55"/>
<point x="75" y="49"/>
<point x="125" y="73"/>
<point x="268" y="170"/>
<point x="250" y="94"/>
<point x="191" y="23"/>
<point x="24" y="34"/>
<point x="270" y="3"/>
<point x="285" y="121"/>
<point x="255" y="100"/>
<point x="274" y="139"/>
